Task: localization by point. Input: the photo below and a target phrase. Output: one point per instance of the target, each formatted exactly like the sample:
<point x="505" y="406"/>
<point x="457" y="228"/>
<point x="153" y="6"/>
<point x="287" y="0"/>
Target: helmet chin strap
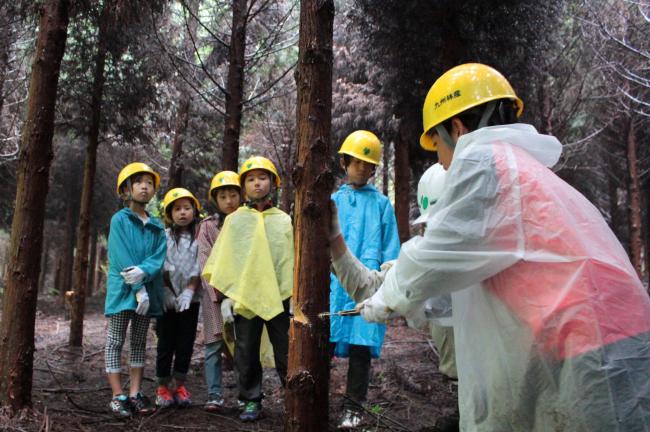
<point x="485" y="118"/>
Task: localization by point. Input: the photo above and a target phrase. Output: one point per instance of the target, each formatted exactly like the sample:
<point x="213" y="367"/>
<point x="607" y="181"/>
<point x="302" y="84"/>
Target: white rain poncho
<point x="550" y="319"/>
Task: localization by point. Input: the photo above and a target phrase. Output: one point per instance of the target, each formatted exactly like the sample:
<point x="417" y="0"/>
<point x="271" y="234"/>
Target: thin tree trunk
<point x="636" y="237"/>
<point x="402" y="182"/>
<point x="100" y="271"/>
<point x="90" y="166"/>
<point x="19" y="305"/>
<point x="90" y="281"/>
<point x="385" y="167"/>
<point x="176" y="164"/>
<point x="235" y="86"/>
<point x="68" y="247"/>
<point x="44" y="264"/>
<point x="307" y="398"/>
<point x="58" y="275"/>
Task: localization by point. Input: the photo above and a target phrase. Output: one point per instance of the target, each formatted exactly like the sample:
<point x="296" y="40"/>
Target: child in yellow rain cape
<point x="251" y="263"/>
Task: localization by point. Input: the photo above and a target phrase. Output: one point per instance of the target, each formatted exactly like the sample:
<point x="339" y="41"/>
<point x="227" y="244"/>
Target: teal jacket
<point x="132" y="243"/>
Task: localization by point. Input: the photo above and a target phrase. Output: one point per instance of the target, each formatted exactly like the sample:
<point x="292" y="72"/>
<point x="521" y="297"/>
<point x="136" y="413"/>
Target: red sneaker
<point x="164" y="397"/>
<point x="182" y="396"/>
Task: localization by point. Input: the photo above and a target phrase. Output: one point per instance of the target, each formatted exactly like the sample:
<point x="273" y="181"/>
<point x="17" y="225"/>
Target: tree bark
<point x="235" y="86"/>
<point x="100" y="271"/>
<point x="402" y="182"/>
<point x="90" y="166"/>
<point x="636" y="237"/>
<point x="90" y="281"/>
<point x="307" y="398"/>
<point x="44" y="264"/>
<point x="68" y="245"/>
<point x="176" y="164"/>
<point x="19" y="305"/>
<point x="384" y="169"/>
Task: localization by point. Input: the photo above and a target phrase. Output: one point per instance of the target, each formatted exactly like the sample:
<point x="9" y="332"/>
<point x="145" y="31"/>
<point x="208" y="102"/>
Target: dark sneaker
<point x="182" y="396"/>
<point x="142" y="405"/>
<point x="164" y="397"/>
<point x="252" y="412"/>
<point x="214" y="403"/>
<point x="121" y="406"/>
<point x="350" y="419"/>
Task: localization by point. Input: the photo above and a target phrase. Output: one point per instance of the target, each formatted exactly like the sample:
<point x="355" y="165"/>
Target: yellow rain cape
<point x="252" y="261"/>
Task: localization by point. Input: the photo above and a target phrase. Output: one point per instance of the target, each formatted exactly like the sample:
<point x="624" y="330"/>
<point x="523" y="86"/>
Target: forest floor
<point x="70" y="391"/>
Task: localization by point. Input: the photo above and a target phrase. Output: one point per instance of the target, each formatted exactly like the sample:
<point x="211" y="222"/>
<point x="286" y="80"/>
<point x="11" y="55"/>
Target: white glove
<point x="374" y="309"/>
<point x="226" y="311"/>
<point x="358" y="280"/>
<point x="335" y="226"/>
<point x="183" y="301"/>
<point x="143" y="302"/>
<point x="169" y="302"/>
<point x="133" y="275"/>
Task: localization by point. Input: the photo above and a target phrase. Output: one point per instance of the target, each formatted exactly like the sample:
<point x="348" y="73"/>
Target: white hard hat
<point x="430" y="188"/>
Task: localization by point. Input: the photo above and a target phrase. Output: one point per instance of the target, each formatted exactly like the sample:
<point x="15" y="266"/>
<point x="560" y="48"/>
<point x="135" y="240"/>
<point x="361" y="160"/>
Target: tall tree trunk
<point x="19" y="305"/>
<point x="307" y="399"/>
<point x="176" y="164"/>
<point x="636" y="237"/>
<point x="90" y="281"/>
<point x="100" y="271"/>
<point x="235" y="86"/>
<point x="68" y="246"/>
<point x="44" y="264"/>
<point x="384" y="169"/>
<point x="90" y="166"/>
<point x="402" y="182"/>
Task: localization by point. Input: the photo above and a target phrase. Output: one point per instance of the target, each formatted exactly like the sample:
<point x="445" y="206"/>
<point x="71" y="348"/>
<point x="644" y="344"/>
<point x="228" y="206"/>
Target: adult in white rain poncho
<point x="551" y="321"/>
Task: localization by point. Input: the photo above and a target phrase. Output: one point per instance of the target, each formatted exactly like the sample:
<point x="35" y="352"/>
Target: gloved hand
<point x="335" y="226"/>
<point x="184" y="300"/>
<point x="133" y="275"/>
<point x="226" y="311"/>
<point x="143" y="301"/>
<point x="374" y="309"/>
<point x="170" y="302"/>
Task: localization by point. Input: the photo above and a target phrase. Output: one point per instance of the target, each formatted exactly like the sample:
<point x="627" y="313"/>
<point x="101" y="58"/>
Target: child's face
<point x="358" y="171"/>
<point x="182" y="212"/>
<point x="228" y="199"/>
<point x="257" y="184"/>
<point x="143" y="188"/>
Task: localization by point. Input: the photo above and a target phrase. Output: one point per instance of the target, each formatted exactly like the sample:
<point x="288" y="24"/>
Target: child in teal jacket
<point x="136" y="253"/>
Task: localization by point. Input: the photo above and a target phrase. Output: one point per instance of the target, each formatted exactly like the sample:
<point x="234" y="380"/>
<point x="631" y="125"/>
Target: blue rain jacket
<point x="132" y="243"/>
<point x="370" y="230"/>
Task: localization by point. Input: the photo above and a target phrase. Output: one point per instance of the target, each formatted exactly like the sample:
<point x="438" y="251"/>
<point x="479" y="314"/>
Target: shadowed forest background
<point x="192" y="87"/>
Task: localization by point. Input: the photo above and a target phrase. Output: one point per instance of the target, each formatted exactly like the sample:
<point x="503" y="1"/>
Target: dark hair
<point x="347" y="160"/>
<point x="213" y="194"/>
<point x="504" y="113"/>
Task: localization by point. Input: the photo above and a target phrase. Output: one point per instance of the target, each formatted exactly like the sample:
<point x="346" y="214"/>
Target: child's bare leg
<point x="115" y="383"/>
<point x="135" y="374"/>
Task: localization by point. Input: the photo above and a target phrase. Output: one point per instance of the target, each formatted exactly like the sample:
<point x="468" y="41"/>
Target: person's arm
<point x="475" y="234"/>
<point x="390" y="243"/>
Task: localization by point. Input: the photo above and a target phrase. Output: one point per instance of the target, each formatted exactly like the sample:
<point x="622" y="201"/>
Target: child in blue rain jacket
<point x="369" y="228"/>
<point x="136" y="253"/>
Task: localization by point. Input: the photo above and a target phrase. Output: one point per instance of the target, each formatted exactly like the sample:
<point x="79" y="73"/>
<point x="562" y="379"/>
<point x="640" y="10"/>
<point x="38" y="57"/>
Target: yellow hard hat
<point x="259" y="162"/>
<point x="176" y="194"/>
<point x="459" y="89"/>
<point x="136" y="168"/>
<point x="363" y="145"/>
<point x="222" y="179"/>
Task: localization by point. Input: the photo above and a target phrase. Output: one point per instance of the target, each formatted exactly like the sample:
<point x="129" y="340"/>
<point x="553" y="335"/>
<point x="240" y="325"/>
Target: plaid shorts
<point x="116" y="336"/>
